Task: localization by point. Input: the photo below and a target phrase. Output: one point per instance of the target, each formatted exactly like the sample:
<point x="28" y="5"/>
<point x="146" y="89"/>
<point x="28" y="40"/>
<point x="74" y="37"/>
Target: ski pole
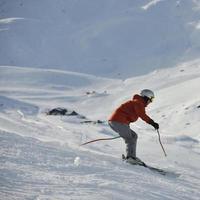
<point x="100" y="140"/>
<point x="161" y="143"/>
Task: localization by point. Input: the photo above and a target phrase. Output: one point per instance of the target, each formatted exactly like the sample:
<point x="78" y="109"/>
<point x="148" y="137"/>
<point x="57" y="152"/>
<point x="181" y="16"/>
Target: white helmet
<point x="147" y="93"/>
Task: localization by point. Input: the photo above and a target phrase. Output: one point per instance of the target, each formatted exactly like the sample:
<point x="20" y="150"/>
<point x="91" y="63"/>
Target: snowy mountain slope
<point x="105" y="38"/>
<point x="40" y="154"/>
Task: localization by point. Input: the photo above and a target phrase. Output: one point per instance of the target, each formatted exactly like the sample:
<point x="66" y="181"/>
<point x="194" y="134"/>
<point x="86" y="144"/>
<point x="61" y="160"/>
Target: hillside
<point x="40" y="154"/>
<point x="116" y="39"/>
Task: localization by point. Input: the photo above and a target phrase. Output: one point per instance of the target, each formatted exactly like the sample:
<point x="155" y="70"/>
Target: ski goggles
<point x="151" y="99"/>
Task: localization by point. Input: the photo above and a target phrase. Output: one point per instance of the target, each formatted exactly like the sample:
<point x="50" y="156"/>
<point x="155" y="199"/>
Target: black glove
<point x="155" y="125"/>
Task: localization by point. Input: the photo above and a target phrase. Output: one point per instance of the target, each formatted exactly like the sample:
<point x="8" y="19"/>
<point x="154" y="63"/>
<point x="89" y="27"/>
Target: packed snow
<point x="41" y="156"/>
<point x="87" y="57"/>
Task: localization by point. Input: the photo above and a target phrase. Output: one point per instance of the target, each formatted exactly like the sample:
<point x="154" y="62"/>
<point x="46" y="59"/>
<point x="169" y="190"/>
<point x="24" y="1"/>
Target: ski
<point x="154" y="169"/>
<point x="161" y="171"/>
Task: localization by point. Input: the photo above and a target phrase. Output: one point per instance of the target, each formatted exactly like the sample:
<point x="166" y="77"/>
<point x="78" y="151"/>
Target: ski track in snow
<point x="150" y="4"/>
<point x="41" y="157"/>
<point x="31" y="169"/>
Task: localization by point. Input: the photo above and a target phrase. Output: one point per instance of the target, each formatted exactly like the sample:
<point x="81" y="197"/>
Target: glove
<point x="155" y="125"/>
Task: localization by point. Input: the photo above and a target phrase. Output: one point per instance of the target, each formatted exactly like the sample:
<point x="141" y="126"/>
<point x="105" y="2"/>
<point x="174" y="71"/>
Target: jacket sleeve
<point x="140" y="111"/>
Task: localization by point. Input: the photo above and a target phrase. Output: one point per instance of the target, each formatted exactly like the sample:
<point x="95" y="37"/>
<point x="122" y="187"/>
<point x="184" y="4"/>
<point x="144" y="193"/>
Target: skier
<point x="129" y="112"/>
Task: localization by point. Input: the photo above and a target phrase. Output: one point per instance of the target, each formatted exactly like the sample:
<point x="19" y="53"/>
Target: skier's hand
<point x="155" y="125"/>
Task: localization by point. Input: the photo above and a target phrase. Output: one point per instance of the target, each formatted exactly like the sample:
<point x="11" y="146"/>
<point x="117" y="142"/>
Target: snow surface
<point x="109" y="38"/>
<point x="84" y="56"/>
<point x="41" y="157"/>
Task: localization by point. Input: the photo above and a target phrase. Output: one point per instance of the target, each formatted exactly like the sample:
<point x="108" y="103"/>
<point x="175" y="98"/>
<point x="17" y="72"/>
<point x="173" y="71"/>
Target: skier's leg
<point x="131" y="144"/>
<point x="129" y="136"/>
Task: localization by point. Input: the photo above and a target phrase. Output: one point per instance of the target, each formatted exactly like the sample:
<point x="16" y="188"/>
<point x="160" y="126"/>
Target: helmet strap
<point x="146" y="99"/>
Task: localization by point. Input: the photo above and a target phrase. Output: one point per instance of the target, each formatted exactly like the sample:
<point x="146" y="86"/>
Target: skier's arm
<point x="140" y="110"/>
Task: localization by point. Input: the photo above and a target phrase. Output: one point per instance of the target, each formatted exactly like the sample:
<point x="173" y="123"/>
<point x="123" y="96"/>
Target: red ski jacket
<point x="130" y="111"/>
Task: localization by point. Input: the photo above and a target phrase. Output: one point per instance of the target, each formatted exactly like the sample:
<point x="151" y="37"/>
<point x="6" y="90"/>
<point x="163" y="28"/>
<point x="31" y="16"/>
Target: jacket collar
<point x="139" y="98"/>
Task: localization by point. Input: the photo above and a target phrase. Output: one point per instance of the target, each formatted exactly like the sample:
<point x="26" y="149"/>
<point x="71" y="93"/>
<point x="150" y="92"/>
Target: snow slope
<point x="41" y="157"/>
<point x="110" y="38"/>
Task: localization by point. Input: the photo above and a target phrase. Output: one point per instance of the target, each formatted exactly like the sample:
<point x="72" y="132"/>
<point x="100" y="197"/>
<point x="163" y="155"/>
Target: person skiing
<point x="127" y="113"/>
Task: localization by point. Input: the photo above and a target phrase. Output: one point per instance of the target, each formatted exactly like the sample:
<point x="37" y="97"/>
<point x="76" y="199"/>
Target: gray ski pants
<point x="129" y="136"/>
